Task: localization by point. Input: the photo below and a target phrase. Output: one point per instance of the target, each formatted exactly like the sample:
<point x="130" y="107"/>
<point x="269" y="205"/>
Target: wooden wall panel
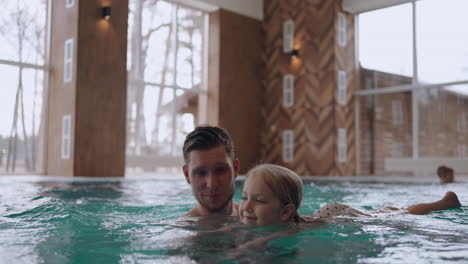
<point x="235" y="81"/>
<point x="101" y="90"/>
<point x="96" y="97"/>
<point x="315" y="116"/>
<point x="345" y="114"/>
<point x="214" y="68"/>
<point x="61" y="95"/>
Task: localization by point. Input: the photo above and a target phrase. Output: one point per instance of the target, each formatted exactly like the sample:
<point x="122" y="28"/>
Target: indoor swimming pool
<point x="60" y="220"/>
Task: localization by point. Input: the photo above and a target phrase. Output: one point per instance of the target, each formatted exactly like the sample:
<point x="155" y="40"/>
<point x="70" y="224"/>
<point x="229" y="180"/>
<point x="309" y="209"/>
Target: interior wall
<point x="96" y="96"/>
<point x="316" y="114"/>
<point x="235" y="75"/>
<point x="61" y="95"/>
<point x="101" y="90"/>
<point x="379" y="136"/>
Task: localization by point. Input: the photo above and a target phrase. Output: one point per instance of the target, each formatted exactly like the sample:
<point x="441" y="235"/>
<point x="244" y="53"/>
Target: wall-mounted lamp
<point x="106" y="12"/>
<point x="295" y="53"/>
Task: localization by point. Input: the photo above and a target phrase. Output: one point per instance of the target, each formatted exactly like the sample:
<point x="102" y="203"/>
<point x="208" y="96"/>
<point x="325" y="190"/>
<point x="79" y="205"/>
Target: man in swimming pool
<point x="211" y="168"/>
<point x="446" y="174"/>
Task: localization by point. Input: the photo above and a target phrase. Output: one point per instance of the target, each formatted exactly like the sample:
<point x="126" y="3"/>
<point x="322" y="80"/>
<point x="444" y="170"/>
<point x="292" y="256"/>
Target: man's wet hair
<point x="441" y="171"/>
<point x="207" y="137"/>
<point x="445" y="173"/>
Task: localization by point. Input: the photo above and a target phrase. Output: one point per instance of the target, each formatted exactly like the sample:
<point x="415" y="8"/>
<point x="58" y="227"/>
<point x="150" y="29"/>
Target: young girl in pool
<point x="272" y="195"/>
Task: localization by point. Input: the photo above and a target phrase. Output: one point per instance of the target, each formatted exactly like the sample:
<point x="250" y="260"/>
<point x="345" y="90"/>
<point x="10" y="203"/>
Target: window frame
<point x="414" y="87"/>
<point x="174" y="87"/>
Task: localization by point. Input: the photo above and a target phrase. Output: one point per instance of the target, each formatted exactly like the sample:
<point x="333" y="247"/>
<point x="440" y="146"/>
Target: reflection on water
<point x="137" y="221"/>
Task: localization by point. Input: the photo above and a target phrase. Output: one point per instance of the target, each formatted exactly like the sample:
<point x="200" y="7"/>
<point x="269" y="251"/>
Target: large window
<point x="442" y="37"/>
<point x="23" y="55"/>
<point x="382" y="35"/>
<point x="165" y="82"/>
<point x="414" y="88"/>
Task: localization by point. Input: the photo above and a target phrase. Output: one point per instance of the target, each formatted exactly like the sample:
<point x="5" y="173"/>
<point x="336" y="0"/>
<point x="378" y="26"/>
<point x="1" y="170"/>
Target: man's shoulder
<point x="197" y="212"/>
<point x="194" y="212"/>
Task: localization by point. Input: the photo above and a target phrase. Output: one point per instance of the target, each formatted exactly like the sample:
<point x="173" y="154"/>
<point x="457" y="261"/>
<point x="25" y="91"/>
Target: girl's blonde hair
<point x="285" y="184"/>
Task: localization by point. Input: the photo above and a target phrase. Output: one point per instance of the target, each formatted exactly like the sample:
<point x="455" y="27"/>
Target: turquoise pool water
<point x="134" y="221"/>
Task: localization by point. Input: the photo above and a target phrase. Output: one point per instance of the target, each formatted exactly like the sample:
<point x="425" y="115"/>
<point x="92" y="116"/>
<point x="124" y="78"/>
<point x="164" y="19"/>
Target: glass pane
<point x="23" y="30"/>
<point x="442" y="42"/>
<point x="159" y="57"/>
<point x="162" y="37"/>
<point x="150" y="41"/>
<point x="385" y="133"/>
<point x="163" y="124"/>
<point x="158" y="40"/>
<point x="22" y="128"/>
<point x="443" y="123"/>
<point x="386" y="41"/>
<point x="372" y="79"/>
<point x="190" y="26"/>
<point x="185" y="123"/>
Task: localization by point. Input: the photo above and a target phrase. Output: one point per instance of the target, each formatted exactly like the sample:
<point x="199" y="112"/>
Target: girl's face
<point x="259" y="206"/>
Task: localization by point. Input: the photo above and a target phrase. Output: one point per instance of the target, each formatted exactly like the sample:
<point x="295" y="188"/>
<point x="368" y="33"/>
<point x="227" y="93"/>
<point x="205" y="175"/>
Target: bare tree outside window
<point x="165" y="82"/>
<point x="22" y="58"/>
<point x="421" y="62"/>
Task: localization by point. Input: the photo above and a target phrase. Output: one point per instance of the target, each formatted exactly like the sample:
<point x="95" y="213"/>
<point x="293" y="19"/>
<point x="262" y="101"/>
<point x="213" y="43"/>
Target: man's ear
<point x="186" y="173"/>
<point x="236" y="165"/>
<point x="287" y="213"/>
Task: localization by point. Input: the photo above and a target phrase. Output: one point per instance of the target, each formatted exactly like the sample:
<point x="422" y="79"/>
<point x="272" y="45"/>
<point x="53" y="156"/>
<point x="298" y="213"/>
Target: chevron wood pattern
<point x="315" y="116"/>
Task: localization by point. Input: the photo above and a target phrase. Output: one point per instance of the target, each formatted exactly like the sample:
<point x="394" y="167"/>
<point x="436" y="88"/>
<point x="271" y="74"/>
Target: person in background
<point x="446" y="174"/>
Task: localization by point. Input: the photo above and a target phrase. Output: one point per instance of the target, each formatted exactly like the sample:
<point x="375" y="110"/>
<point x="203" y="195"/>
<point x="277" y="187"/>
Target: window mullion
<point x="24" y="65"/>
<point x="414" y="93"/>
<point x="174" y="101"/>
<point x="415" y="53"/>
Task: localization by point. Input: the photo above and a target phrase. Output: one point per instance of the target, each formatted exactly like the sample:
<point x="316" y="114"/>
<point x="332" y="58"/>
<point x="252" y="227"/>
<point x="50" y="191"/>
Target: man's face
<point x="446" y="176"/>
<point x="211" y="174"/>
